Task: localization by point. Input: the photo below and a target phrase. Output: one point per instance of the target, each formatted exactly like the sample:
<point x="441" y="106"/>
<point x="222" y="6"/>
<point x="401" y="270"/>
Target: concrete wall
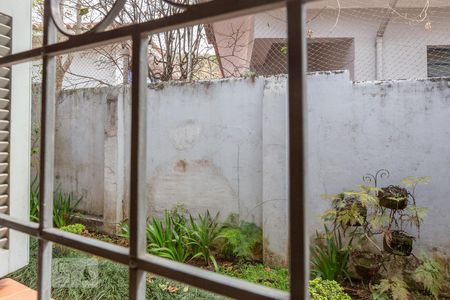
<point x="221" y="146"/>
<point x="204" y="147"/>
<point x="398" y="125"/>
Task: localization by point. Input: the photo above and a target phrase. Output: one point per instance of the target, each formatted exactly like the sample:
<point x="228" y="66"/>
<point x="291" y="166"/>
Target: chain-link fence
<point x="373" y="40"/>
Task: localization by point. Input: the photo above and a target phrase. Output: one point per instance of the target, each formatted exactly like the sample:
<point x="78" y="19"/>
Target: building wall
<point x="221" y="146"/>
<point x="234" y="40"/>
<point x="359" y="128"/>
<point x="404" y="51"/>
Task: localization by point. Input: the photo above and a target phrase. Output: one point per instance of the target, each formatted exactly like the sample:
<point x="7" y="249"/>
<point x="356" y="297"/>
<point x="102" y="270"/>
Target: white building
<point x="374" y="40"/>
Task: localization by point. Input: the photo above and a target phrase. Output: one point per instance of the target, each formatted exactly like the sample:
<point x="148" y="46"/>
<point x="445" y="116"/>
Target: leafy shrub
<point x="320" y="289"/>
<point x="394" y="288"/>
<point x="242" y="241"/>
<point x="74" y="228"/>
<point x="430" y="275"/>
<point x="202" y="234"/>
<point x="330" y="262"/>
<point x="64" y="205"/>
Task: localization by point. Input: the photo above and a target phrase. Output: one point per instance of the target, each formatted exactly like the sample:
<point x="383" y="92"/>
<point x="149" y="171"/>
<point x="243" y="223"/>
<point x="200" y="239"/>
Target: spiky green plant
<point x="64" y="205"/>
<point x="330" y="262"/>
<point x="166" y="238"/>
<point x="202" y="235"/>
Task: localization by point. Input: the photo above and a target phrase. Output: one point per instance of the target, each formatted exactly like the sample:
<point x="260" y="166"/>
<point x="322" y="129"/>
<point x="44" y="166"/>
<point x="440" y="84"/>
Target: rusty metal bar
<point x="19" y="225"/>
<point x="47" y="159"/>
<point x="138" y="174"/>
<point x="208" y="12"/>
<point x="89" y="245"/>
<point x="297" y="149"/>
<point x="216" y="283"/>
<point x="136" y="258"/>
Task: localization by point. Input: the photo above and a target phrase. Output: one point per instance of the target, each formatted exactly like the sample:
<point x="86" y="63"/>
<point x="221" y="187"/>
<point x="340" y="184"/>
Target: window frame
<point x="135" y="256"/>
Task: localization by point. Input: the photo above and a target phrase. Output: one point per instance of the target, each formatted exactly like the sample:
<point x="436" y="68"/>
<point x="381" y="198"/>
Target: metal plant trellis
<point x="136" y="257"/>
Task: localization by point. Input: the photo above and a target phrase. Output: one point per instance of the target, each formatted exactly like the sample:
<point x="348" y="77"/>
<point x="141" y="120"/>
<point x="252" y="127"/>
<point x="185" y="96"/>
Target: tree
<point x="181" y="54"/>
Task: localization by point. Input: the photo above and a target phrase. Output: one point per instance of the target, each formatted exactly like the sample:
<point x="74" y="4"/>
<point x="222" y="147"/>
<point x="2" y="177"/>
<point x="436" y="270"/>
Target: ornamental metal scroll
<point x="373" y="178"/>
<point x="107" y="21"/>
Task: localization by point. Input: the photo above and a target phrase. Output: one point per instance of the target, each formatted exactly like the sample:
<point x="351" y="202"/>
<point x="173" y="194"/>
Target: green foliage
<point x="412" y="181"/>
<point x="430" y="275"/>
<point x="367" y="195"/>
<point x="64" y="205"/>
<point x="166" y="238"/>
<point x="393" y="288"/>
<point x="74" y="228"/>
<point x="240" y="240"/>
<point x="34" y="200"/>
<point x="277" y="277"/>
<point x="182" y="238"/>
<point x="124" y="230"/>
<point x="330" y="262"/>
<point x="320" y="289"/>
<point x="202" y="234"/>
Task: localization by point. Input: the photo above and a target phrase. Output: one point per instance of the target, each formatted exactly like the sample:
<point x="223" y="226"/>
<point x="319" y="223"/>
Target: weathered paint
<point x="221" y="146"/>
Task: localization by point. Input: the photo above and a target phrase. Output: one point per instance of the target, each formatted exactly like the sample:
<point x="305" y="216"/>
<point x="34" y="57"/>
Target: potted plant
<point x="398" y="242"/>
<point x="393" y="197"/>
<point x="402" y="215"/>
<point x="367" y="264"/>
<point x="350" y="211"/>
<point x="350" y="208"/>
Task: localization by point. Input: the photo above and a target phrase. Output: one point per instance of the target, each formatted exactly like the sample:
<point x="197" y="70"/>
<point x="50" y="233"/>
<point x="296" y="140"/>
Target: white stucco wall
<point x="360" y="128"/>
<point x="221" y="146"/>
<point x="204" y="147"/>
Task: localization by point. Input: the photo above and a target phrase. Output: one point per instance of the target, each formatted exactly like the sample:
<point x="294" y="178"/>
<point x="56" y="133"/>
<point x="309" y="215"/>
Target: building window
<point x="331" y="54"/>
<point x="324" y="54"/>
<point x="438" y="61"/>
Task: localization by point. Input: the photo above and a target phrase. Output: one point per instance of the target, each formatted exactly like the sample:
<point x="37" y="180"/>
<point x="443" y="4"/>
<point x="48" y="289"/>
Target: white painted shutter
<point x="15" y="132"/>
<point x="5" y="80"/>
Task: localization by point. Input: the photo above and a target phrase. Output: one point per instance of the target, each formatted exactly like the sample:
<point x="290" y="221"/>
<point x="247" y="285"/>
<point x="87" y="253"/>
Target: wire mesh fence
<point x="373" y="40"/>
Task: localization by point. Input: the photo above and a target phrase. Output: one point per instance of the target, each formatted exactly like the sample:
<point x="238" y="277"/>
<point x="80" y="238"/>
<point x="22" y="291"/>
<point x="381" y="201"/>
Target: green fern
<point x="241" y="240"/>
<point x="430" y="275"/>
<point x="394" y="288"/>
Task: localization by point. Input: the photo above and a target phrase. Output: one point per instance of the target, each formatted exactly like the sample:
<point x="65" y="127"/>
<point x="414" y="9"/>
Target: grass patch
<point x="277" y="278"/>
<point x="113" y="281"/>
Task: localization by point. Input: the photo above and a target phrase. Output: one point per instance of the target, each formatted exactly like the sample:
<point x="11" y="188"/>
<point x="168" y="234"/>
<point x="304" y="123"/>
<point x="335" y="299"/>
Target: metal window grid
<point x="135" y="257"/>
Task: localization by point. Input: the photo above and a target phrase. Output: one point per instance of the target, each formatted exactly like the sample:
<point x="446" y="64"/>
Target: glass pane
<point x="374" y="193"/>
<point x="77" y="275"/>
